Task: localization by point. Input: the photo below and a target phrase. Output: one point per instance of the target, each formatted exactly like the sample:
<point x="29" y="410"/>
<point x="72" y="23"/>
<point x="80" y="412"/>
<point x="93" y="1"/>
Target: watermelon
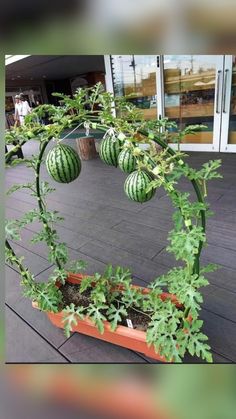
<point x="110" y="150"/>
<point x="136" y="184"/>
<point x="127" y="161"/>
<point x="63" y="163"/>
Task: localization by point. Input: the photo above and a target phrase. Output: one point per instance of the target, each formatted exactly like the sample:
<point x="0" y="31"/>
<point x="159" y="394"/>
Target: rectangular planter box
<point x="123" y="336"/>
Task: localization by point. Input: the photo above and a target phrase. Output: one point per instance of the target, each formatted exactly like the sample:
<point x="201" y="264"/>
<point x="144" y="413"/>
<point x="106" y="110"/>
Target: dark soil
<point x="71" y="294"/>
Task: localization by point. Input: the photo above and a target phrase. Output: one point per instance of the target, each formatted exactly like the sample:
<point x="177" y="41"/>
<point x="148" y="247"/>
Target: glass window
<point x="189" y="86"/>
<point x="135" y="75"/>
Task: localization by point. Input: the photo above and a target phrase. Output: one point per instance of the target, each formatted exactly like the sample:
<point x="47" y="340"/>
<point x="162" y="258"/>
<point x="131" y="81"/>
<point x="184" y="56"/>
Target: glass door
<point x="228" y="127"/>
<point x="192" y="94"/>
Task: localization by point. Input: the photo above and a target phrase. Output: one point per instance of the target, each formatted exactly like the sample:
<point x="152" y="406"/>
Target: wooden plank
<point x="222" y="334"/>
<point x="23" y="344"/>
<point x="95" y="230"/>
<point x="154" y="234"/>
<point x="224" y="278"/>
<point x="140" y="267"/>
<point x="221" y="302"/>
<point x="81" y="348"/>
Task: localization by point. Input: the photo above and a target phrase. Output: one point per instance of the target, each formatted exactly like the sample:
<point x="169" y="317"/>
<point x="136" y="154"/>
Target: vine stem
<point x="19" y="264"/>
<point x="41" y="203"/>
<point x="197" y="190"/>
<point x="133" y="308"/>
<point x="13" y="151"/>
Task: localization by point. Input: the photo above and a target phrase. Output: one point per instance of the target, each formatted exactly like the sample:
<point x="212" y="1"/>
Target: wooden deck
<point x="101" y="225"/>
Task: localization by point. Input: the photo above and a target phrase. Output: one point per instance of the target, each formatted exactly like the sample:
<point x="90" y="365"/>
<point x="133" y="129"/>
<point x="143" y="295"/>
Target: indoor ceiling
<point x="53" y="67"/>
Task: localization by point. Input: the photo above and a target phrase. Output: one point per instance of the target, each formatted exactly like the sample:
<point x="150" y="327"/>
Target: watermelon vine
<point x="170" y="330"/>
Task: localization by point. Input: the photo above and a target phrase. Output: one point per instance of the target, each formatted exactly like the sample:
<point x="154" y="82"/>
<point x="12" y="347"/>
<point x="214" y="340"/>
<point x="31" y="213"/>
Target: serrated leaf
<point x="94" y="312"/>
<point x="86" y="283"/>
<point x="77" y="266"/>
<point x="12" y="230"/>
<point x="115" y="315"/>
<point x="71" y="316"/>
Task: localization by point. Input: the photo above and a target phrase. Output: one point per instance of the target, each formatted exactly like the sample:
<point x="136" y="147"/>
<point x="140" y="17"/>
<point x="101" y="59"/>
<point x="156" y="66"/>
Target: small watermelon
<point x="110" y="150"/>
<point x="127" y="161"/>
<point x="63" y="163"/>
<point x="136" y="184"/>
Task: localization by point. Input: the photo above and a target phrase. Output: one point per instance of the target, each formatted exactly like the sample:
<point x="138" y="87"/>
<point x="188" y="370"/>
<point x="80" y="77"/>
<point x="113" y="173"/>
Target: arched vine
<point x="172" y="331"/>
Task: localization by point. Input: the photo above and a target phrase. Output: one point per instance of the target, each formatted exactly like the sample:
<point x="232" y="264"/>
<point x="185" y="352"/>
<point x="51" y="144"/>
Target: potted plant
<point x="163" y="325"/>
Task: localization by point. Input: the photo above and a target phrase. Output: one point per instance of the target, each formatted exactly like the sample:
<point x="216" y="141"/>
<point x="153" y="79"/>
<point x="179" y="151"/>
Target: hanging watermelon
<point x="110" y="150"/>
<point x="63" y="163"/>
<point x="136" y="184"/>
<point x="127" y="161"/>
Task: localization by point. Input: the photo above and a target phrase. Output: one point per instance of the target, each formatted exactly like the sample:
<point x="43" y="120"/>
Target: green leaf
<point x="45" y="188"/>
<point x="185" y="244"/>
<point x="58" y="275"/>
<point x="209" y="170"/>
<point x="49" y="297"/>
<point x="71" y="316"/>
<point x="108" y="271"/>
<point x="12" y="230"/>
<point x="115" y="315"/>
<point x="132" y="296"/>
<point x="60" y="252"/>
<point x="211" y="267"/>
<point x="86" y="283"/>
<point x="197" y="346"/>
<point x="17" y="187"/>
<point x="77" y="266"/>
<point x="95" y="314"/>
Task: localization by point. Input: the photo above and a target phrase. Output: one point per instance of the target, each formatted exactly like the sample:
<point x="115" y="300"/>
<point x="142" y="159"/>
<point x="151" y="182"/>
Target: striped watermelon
<point x="126" y="161"/>
<point x="109" y="151"/>
<point x="136" y="184"/>
<point x="63" y="163"/>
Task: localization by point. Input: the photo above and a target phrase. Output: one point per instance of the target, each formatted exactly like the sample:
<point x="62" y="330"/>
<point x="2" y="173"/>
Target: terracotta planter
<point x="123" y="336"/>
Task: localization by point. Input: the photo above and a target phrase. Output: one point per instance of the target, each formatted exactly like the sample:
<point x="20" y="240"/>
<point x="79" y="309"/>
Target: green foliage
<point x="185" y="243"/>
<point x="48" y="297"/>
<point x="161" y="332"/>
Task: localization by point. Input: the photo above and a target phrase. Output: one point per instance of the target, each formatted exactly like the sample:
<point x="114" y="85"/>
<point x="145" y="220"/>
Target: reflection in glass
<point x="189" y="85"/>
<point x="135" y="75"/>
<point x="232" y="121"/>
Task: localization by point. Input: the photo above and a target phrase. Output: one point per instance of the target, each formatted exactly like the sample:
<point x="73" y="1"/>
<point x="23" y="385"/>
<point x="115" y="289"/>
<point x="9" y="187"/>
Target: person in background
<point x="23" y="109"/>
<point x="17" y="110"/>
<point x="18" y="121"/>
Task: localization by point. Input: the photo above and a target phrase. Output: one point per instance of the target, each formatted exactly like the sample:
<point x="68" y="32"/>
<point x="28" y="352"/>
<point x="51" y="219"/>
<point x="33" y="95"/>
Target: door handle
<point x="225" y="90"/>
<point x="218" y="91"/>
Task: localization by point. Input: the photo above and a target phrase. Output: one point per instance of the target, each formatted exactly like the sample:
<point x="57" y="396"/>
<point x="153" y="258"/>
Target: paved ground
<point x="101" y="225"/>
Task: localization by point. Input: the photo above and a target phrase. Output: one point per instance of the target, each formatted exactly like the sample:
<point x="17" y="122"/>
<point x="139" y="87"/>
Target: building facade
<point x="188" y="89"/>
